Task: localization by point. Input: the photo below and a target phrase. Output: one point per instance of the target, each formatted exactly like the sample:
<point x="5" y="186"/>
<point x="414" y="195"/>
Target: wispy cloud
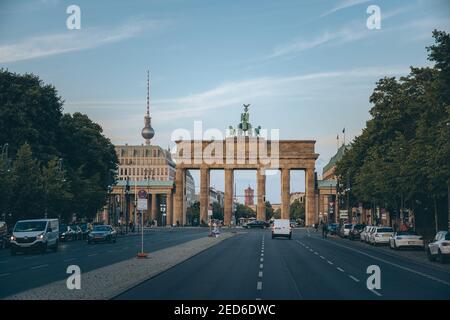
<point x="74" y="40"/>
<point x="234" y="93"/>
<point x="343" y="5"/>
<point x="299" y="45"/>
<point x="353" y="31"/>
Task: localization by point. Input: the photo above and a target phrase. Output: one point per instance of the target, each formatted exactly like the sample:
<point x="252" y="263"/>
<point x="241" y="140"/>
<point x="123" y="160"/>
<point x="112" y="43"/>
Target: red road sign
<point x="142" y="194"/>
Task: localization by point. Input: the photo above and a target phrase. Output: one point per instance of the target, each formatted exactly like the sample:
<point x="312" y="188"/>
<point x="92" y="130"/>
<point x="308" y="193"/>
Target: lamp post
<point x="127" y="204"/>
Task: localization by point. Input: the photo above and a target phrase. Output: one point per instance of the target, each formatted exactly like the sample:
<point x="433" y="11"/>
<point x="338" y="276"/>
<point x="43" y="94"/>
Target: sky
<point x="306" y="67"/>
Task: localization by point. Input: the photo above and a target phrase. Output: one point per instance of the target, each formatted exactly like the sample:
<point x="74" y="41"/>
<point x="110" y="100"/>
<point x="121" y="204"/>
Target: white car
<point x="402" y="239"/>
<point x="281" y="228"/>
<point x="345" y="230"/>
<point x="35" y="234"/>
<point x="365" y="233"/>
<point x="380" y="235"/>
<point x="440" y="247"/>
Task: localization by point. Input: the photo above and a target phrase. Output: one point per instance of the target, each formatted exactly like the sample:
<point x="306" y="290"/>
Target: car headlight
<point x="13" y="238"/>
<point x="40" y="236"/>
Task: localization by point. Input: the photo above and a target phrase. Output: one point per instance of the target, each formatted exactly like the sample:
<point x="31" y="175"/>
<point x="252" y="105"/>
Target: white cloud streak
<point x="343" y="5"/>
<point x="73" y="40"/>
<point x="234" y="93"/>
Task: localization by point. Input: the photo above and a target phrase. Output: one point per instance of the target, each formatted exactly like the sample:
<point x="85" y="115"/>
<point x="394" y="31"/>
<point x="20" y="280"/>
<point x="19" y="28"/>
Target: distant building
<point x="300" y="196"/>
<point x="249" y="197"/>
<point x="216" y="196"/>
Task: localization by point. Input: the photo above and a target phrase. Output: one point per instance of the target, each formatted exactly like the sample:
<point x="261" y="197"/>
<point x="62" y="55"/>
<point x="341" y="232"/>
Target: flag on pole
<point x="343" y="130"/>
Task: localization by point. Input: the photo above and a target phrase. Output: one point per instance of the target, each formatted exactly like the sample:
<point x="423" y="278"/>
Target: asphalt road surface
<point x="26" y="271"/>
<point x="254" y="266"/>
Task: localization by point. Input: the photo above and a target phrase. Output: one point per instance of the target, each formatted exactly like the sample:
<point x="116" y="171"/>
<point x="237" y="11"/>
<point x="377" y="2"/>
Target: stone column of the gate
<point x="169" y="213"/>
<point x="310" y="211"/>
<point x="285" y="192"/>
<point x="154" y="206"/>
<point x="204" y="194"/>
<point x="228" y="201"/>
<point x="261" y="205"/>
<point x="179" y="196"/>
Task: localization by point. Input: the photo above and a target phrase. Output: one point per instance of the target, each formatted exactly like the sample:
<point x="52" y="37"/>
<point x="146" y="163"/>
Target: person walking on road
<point x="324" y="230"/>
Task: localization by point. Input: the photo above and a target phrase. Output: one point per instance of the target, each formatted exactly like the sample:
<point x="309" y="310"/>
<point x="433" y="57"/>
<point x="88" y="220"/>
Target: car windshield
<point x="447" y="236"/>
<point x="347" y="226"/>
<point x="381" y="230"/>
<point x="74" y="228"/>
<point x="30" y="226"/>
<point x="83" y="227"/>
<point x="62" y="227"/>
<point x="101" y="228"/>
<point x="407" y="233"/>
<point x="359" y="226"/>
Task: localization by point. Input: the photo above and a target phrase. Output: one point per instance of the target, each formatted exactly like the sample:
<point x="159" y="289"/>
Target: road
<point x="254" y="266"/>
<point x="22" y="272"/>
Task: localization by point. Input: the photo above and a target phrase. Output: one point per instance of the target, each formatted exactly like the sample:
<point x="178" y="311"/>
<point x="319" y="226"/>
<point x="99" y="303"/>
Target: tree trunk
<point x="436" y="215"/>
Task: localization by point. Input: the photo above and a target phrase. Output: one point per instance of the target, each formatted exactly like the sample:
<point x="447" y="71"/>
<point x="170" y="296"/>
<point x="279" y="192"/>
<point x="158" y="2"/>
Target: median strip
<point x="109" y="281"/>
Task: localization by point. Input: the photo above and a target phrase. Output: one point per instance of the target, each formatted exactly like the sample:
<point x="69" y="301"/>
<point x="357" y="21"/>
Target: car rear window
<point x="447" y="236"/>
<point x="347" y="226"/>
<point x="381" y="230"/>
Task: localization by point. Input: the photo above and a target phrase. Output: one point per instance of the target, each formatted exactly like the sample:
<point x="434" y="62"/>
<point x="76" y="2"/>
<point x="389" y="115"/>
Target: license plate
<point x="386" y="235"/>
<point x="411" y="242"/>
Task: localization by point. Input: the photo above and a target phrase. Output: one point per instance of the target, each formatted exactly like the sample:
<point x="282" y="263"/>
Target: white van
<point x="281" y="228"/>
<point x="35" y="234"/>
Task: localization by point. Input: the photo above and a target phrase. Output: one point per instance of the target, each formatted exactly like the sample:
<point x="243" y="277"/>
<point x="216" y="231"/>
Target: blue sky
<point x="307" y="67"/>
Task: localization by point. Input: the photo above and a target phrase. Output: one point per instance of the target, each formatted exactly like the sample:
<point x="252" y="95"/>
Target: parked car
<point x="440" y="247"/>
<point x="78" y="233"/>
<point x="380" y="235"/>
<point x="333" y="228"/>
<point x="355" y="231"/>
<point x="345" y="230"/>
<point x="35" y="234"/>
<point x="66" y="233"/>
<point x="402" y="239"/>
<point x="281" y="228"/>
<point x="102" y="233"/>
<point x="256" y="224"/>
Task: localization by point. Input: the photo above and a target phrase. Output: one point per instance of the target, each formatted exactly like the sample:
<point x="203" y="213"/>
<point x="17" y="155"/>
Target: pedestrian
<point x="324" y="230"/>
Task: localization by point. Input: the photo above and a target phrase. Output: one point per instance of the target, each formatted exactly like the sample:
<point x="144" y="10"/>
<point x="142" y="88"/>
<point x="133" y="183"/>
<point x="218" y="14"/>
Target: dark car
<point x="102" y="233"/>
<point x="66" y="233"/>
<point x="256" y="224"/>
<point x="355" y="231"/>
<point x="78" y="233"/>
<point x="333" y="228"/>
<point x="84" y="230"/>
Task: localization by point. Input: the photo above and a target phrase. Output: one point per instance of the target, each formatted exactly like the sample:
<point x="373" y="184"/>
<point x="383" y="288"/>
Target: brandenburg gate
<point x="244" y="152"/>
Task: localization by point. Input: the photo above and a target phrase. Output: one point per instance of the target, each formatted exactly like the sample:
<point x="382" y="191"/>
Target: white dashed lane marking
<point x="261" y="266"/>
<point x="4" y="274"/>
<point x="353" y="278"/>
<point x="260" y="274"/>
<point x="259" y="285"/>
<point x="39" y="266"/>
<point x="329" y="262"/>
<point x="340" y="269"/>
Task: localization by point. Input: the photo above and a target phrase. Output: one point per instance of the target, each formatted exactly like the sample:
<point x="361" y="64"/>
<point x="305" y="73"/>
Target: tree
<point x="402" y="157"/>
<point x="297" y="210"/>
<point x="31" y="115"/>
<point x="269" y="210"/>
<point x="243" y="211"/>
<point x="30" y="112"/>
<point x="27" y="194"/>
<point x="217" y="211"/>
<point x="193" y="213"/>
